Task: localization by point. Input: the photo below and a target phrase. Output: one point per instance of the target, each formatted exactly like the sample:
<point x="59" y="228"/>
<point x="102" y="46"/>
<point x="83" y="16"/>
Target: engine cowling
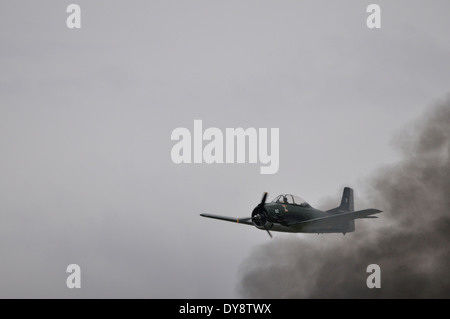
<point x="260" y="218"/>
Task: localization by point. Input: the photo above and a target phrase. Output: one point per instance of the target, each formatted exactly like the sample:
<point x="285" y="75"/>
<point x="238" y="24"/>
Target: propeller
<point x="259" y="216"/>
<point x="268" y="231"/>
<point x="263" y="200"/>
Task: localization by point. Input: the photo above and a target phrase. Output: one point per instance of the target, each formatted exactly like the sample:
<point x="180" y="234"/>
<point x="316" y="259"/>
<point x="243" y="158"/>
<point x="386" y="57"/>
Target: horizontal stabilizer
<point x="340" y="218"/>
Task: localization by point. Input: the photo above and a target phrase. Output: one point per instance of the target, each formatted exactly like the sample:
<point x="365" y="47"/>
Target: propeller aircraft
<point x="289" y="213"/>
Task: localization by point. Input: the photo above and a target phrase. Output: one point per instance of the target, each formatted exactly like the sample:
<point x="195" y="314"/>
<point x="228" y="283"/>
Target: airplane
<point x="292" y="214"/>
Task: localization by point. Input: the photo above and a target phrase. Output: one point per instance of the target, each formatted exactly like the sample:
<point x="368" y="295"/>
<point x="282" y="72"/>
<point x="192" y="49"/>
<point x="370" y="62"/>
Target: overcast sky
<point x="86" y="117"/>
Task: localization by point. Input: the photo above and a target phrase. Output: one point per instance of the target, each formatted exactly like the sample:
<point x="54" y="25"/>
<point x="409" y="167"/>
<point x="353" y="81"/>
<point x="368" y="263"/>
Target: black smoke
<point x="410" y="241"/>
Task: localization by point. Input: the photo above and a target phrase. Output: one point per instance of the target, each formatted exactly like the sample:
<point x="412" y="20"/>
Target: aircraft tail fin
<point x="347" y="202"/>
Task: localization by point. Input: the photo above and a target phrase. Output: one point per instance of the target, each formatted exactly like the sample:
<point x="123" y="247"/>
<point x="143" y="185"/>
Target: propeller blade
<point x="268" y="232"/>
<point x="263" y="200"/>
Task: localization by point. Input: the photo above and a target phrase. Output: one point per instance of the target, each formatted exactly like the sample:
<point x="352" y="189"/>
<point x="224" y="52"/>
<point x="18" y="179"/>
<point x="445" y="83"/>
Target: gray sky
<point x="86" y="117"/>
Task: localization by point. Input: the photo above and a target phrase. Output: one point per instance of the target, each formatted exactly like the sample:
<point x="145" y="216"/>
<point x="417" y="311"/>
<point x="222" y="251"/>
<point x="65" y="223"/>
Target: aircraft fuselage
<point x="285" y="218"/>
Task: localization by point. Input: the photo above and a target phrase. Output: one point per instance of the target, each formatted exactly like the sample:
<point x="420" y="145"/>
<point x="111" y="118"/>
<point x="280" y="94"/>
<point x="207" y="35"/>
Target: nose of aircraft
<point x="259" y="216"/>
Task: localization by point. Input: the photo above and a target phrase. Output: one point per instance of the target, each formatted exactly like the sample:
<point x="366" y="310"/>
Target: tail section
<point x="347" y="206"/>
<point x="347" y="203"/>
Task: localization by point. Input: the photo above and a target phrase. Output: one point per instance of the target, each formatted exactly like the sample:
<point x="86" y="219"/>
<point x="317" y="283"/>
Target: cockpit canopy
<point x="290" y="199"/>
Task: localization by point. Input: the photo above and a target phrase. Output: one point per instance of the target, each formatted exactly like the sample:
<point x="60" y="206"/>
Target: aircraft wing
<point x="339" y="218"/>
<point x="244" y="220"/>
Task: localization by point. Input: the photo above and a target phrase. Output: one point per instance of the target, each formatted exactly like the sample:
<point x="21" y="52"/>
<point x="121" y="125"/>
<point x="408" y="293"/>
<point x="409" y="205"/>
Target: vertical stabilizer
<point x="347" y="203"/>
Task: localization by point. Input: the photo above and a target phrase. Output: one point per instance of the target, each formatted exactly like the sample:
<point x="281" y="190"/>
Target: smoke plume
<point x="410" y="241"/>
